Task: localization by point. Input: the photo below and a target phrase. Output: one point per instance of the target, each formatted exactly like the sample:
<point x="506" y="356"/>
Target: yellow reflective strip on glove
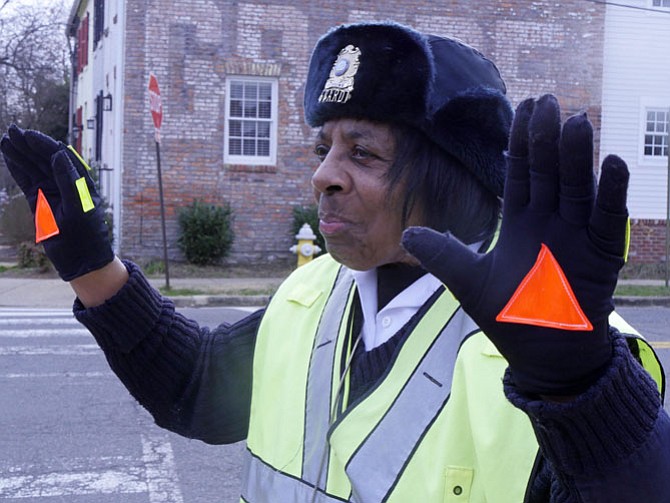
<point x="84" y="195"/>
<point x="81" y="159"/>
<point x="627" y="244"/>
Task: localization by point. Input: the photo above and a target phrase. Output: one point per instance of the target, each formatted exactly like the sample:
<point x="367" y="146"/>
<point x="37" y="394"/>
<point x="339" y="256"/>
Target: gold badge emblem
<point x="340" y="83"/>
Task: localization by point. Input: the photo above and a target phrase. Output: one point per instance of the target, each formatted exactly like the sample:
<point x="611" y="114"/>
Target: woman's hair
<point x="445" y="193"/>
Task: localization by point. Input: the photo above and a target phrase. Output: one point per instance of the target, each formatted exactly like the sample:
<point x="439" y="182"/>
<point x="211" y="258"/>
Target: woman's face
<point x="360" y="220"/>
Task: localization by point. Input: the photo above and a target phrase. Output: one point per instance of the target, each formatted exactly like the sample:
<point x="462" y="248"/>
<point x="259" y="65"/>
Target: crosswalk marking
<point x="19" y="320"/>
<point x="55" y="332"/>
<point x="37" y="326"/>
<point x="57" y="375"/>
<point x="52" y="350"/>
<point x="161" y="470"/>
<point x="35" y="312"/>
<point x="154" y="474"/>
<point x="44" y="332"/>
<point x="126" y="481"/>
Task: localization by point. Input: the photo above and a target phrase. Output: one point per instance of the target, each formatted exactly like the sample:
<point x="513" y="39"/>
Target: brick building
<point x="231" y="75"/>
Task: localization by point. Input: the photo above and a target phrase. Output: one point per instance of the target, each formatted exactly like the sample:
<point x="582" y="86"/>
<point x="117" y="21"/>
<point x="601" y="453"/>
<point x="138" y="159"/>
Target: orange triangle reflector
<point x="544" y="298"/>
<point x="45" y="223"/>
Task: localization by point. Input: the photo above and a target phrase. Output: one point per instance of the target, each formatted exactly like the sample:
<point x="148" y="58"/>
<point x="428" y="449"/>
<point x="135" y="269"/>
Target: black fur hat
<point x="390" y="73"/>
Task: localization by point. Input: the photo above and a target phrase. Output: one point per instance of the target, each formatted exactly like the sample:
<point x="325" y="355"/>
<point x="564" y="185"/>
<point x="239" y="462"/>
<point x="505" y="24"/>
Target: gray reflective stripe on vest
<point x="264" y="484"/>
<point x="319" y="382"/>
<point x="393" y="441"/>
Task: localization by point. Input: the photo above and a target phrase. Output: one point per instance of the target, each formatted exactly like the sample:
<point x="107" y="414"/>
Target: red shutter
<point x="82" y="44"/>
<point x="80" y="125"/>
<point x="80" y="48"/>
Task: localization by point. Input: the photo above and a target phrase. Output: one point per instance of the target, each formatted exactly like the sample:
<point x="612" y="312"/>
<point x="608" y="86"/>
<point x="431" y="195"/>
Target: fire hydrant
<point x="305" y="249"/>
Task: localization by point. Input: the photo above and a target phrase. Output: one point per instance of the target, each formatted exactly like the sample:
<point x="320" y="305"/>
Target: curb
<point x="221" y="300"/>
<point x="262" y="300"/>
<point x="642" y="301"/>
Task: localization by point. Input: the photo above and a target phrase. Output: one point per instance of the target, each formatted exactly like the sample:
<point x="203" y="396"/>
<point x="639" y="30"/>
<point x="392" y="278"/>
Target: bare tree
<point x="34" y="68"/>
<point x="34" y="89"/>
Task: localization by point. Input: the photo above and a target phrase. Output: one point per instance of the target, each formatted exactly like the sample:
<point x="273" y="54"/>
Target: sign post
<point x="156" y="107"/>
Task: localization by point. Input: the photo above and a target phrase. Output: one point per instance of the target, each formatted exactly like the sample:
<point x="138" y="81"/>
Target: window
<point x="98" y="126"/>
<point x="251" y="121"/>
<point x="656" y="133"/>
<point x="98" y="21"/>
<point x="661" y="3"/>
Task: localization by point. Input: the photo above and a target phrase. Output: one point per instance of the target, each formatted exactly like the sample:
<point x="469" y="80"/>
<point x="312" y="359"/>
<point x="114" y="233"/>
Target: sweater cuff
<point x="600" y="427"/>
<point x="122" y="321"/>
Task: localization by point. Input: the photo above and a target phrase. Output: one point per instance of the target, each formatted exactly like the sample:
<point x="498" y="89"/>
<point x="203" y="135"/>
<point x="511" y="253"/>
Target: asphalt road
<point x="70" y="432"/>
<point x="654" y="324"/>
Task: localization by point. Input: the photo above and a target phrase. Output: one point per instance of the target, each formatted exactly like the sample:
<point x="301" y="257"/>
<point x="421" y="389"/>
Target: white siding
<point x="111" y="50"/>
<point x="84" y="84"/>
<point x="636" y="75"/>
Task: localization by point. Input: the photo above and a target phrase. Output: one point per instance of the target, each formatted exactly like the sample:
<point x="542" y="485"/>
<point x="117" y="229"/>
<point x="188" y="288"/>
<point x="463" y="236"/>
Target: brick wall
<point x="647" y="243"/>
<point x="193" y="45"/>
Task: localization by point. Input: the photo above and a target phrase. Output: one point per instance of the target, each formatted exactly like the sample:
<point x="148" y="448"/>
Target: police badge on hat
<point x="340" y="83"/>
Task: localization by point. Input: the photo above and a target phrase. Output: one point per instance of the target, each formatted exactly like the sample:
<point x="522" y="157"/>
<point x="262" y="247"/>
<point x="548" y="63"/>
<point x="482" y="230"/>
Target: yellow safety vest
<point x="436" y="427"/>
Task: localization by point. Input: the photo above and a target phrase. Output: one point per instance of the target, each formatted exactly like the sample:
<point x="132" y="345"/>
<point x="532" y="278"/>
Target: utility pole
<point x="667" y="199"/>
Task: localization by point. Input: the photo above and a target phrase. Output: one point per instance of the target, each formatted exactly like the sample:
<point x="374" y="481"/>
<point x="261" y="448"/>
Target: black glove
<point x="76" y="240"/>
<point x="550" y="323"/>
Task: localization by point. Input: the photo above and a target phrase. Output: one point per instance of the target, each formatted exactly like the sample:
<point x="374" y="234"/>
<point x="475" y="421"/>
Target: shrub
<point x="16" y="221"/>
<point x="154" y="267"/>
<point x="308" y="215"/>
<point x="206" y="232"/>
<point x="32" y="255"/>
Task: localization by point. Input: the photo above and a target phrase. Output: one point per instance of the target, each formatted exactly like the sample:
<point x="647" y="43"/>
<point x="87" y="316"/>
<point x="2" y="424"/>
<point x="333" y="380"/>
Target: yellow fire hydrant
<point x="305" y="249"/>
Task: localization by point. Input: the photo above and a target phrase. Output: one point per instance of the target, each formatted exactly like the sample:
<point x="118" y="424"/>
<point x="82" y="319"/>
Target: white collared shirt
<point x="379" y="327"/>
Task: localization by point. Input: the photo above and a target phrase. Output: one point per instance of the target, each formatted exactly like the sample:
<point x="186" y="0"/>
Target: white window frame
<point x="651" y="106"/>
<point x="253" y="160"/>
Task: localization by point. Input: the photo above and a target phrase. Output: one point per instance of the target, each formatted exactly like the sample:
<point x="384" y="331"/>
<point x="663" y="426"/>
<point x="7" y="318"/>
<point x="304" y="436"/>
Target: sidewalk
<point x="51" y="292"/>
<point x="54" y="293"/>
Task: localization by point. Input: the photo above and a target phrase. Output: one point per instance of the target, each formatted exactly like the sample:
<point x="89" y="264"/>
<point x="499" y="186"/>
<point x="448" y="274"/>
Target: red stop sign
<point x="155" y="104"/>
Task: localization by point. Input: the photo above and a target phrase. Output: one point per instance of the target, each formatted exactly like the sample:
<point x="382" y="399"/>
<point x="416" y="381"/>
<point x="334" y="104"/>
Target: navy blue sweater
<point x="610" y="444"/>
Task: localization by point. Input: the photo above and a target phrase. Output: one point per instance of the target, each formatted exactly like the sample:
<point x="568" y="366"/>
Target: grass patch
<point x="17" y="271"/>
<point x="183" y="292"/>
<point x="642" y="291"/>
<point x="278" y="269"/>
<point x="256" y="291"/>
<point x="179" y="292"/>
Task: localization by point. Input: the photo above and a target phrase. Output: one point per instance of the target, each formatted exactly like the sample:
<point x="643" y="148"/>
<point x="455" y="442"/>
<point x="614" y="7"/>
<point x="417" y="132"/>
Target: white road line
<point x="156" y="472"/>
<point x="58" y="375"/>
<point x="27" y="311"/>
<point x="161" y="471"/>
<point x="38" y="321"/>
<point x="74" y="484"/>
<point x="44" y="332"/>
<point x="69" y="350"/>
<point x="156" y="475"/>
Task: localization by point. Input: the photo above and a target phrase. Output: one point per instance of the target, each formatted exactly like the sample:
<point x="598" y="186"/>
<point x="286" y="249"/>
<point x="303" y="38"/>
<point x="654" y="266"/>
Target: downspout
<point x="119" y="93"/>
<point x="69" y="30"/>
